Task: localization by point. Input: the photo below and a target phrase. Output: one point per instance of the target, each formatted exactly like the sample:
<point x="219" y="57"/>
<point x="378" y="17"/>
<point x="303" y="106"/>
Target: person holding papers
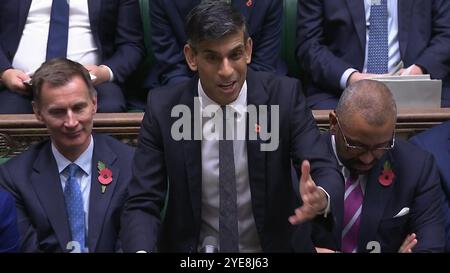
<point x="340" y="42"/>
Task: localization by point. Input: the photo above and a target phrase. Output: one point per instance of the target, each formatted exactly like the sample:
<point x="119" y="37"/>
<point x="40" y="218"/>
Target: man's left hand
<point x="314" y="198"/>
<point x="101" y="73"/>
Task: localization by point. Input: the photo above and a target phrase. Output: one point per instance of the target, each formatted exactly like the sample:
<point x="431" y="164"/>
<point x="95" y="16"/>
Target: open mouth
<point x="227" y="87"/>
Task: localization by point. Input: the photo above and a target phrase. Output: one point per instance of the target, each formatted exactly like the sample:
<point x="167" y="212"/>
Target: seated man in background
<point x="69" y="190"/>
<point x="393" y="200"/>
<point x="9" y="233"/>
<point x="437" y="142"/>
<point x="264" y="22"/>
<point x="340" y="42"/>
<point x="103" y="35"/>
<point x="228" y="188"/>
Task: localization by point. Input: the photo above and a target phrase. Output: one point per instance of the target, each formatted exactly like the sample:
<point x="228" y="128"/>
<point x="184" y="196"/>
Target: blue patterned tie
<point x="74" y="206"/>
<point x="378" y="52"/>
<point x="58" y="30"/>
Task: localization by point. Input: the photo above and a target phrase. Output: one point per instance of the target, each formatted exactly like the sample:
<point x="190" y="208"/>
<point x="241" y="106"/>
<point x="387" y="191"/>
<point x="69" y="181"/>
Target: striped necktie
<point x="352" y="214"/>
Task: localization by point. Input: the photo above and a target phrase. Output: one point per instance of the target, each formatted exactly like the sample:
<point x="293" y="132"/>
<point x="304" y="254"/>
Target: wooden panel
<point x="17" y="132"/>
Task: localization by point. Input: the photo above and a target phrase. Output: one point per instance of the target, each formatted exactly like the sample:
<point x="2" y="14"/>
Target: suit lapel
<point x="192" y="155"/>
<point x="357" y="11"/>
<point x="94" y="7"/>
<point x="24" y="8"/>
<point x="256" y="95"/>
<point x="98" y="201"/>
<point x="47" y="185"/>
<point x="404" y="15"/>
<point x="375" y="200"/>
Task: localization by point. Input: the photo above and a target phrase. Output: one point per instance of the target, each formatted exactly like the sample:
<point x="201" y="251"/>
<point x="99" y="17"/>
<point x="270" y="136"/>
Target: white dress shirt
<point x="84" y="161"/>
<point x="248" y="235"/>
<point x="32" y="47"/>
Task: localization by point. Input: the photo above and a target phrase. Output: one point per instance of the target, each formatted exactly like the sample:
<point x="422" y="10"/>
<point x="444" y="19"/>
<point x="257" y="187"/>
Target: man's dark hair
<point x="58" y="72"/>
<point x="212" y="20"/>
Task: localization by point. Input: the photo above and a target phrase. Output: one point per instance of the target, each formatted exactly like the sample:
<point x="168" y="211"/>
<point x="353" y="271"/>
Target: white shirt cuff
<point x="328" y="207"/>
<point x="111" y="75"/>
<point x="345" y="76"/>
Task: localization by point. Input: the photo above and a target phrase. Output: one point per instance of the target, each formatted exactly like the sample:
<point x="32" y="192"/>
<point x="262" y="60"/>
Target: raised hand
<point x="314" y="198"/>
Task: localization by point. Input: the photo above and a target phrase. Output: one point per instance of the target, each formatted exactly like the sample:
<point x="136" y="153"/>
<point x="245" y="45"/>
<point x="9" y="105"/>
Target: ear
<point x="248" y="50"/>
<point x="190" y="56"/>
<point x="333" y="122"/>
<point x="94" y="102"/>
<point x="37" y="111"/>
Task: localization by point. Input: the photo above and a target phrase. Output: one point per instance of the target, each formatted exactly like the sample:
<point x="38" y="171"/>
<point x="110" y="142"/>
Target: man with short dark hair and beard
<point x="393" y="200"/>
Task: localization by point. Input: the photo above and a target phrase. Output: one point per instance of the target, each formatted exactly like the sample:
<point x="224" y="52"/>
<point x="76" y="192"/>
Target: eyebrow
<point x="210" y="51"/>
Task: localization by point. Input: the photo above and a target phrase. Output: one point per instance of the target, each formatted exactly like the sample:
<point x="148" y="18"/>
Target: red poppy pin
<point x="104" y="175"/>
<point x="257" y="128"/>
<point x="387" y="175"/>
<point x="249" y="3"/>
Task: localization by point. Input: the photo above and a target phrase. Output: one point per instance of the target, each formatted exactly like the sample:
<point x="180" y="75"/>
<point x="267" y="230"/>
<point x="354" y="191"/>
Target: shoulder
<point x="117" y="146"/>
<point x="411" y="155"/>
<point x="6" y="200"/>
<point x="27" y="158"/>
<point x="433" y="136"/>
<point x="274" y="82"/>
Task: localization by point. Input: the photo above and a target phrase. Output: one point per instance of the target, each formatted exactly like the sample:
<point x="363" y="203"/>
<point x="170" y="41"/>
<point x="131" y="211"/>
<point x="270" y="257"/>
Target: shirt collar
<point x="84" y="161"/>
<point x="239" y="105"/>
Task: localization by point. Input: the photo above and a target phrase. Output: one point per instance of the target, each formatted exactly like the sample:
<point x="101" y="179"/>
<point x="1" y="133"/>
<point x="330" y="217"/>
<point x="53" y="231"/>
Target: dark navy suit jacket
<point x="116" y="26"/>
<point x="33" y="179"/>
<point x="264" y="20"/>
<point x="437" y="142"/>
<point x="415" y="186"/>
<point x="9" y="233"/>
<point x="331" y="37"/>
<point x="160" y="158"/>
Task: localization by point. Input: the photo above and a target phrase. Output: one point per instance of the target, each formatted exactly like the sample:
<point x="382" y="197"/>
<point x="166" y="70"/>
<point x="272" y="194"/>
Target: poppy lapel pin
<point x="104" y="175"/>
<point x="387" y="175"/>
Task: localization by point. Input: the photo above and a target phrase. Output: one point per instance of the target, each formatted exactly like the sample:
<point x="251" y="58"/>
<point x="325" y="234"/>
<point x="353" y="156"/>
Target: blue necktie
<point x="74" y="206"/>
<point x="58" y="30"/>
<point x="378" y="50"/>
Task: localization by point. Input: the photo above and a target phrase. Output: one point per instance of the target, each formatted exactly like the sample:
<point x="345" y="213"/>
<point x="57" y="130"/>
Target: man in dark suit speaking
<point x="229" y="187"/>
<point x="69" y="191"/>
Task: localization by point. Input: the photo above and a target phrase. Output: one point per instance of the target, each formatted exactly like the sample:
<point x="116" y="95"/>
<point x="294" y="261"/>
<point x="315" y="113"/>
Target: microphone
<point x="209" y="245"/>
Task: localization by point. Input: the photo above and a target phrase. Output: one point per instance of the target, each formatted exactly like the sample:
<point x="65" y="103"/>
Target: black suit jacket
<point x="331" y="37"/>
<point x="415" y="186"/>
<point x="159" y="158"/>
<point x="264" y="21"/>
<point x="33" y="180"/>
<point x="116" y="26"/>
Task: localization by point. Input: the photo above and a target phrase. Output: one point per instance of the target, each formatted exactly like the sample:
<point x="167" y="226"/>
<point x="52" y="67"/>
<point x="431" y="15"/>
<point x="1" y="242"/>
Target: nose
<point x="226" y="69"/>
<point x="367" y="157"/>
<point x="71" y="120"/>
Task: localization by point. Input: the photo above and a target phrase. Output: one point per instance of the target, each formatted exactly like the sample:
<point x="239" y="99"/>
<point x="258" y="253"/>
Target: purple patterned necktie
<point x="352" y="214"/>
